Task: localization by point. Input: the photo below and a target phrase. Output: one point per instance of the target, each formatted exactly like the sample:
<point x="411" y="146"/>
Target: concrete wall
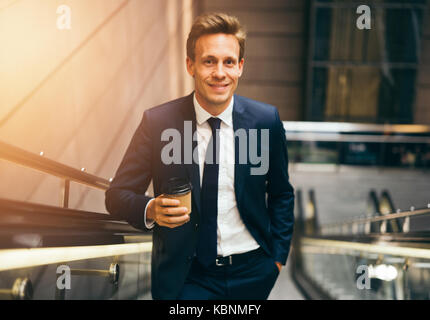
<point x="275" y="51"/>
<point x="79" y="94"/>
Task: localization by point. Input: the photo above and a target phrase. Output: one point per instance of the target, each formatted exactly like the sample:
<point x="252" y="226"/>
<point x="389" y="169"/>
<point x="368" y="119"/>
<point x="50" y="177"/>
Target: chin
<point x="218" y="100"/>
<point x="219" y="103"/>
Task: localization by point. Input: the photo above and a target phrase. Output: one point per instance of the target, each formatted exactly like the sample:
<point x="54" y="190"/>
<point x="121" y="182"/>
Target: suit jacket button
<point x="197" y="225"/>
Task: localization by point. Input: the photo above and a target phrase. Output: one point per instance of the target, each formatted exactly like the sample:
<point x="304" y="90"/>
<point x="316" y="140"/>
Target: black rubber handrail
<point x="372" y="209"/>
<point x="37" y="162"/>
<point x="24" y="214"/>
<point x="395" y="225"/>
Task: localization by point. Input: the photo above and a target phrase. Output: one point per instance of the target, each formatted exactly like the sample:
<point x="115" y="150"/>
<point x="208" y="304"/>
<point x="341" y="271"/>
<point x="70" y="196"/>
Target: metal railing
<point x="37" y="235"/>
<point x="327" y="262"/>
<point x="327" y="267"/>
<point x="358" y="144"/>
<point x="328" y="246"/>
<point x="390" y="270"/>
<point x="20" y="214"/>
<point x="347" y="128"/>
<point x="336" y="227"/>
<point x="40" y="163"/>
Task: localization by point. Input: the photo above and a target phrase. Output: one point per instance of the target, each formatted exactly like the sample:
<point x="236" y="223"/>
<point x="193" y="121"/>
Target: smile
<point x="219" y="87"/>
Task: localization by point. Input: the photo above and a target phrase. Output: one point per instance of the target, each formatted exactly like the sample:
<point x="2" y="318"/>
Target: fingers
<point x="173" y="211"/>
<point x="169" y="214"/>
<point x="173" y="221"/>
<point x="169" y="206"/>
<point x="167" y="202"/>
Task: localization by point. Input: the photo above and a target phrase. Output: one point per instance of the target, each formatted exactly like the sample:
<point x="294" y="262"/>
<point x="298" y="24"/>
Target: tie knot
<point x="215" y="123"/>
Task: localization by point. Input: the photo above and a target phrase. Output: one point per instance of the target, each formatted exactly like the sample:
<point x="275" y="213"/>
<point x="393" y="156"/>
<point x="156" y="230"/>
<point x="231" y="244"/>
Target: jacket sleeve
<point x="280" y="193"/>
<point x="125" y="199"/>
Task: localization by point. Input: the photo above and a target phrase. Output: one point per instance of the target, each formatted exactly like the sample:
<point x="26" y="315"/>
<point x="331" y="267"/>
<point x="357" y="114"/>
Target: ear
<point x="190" y="66"/>
<point x="241" y="62"/>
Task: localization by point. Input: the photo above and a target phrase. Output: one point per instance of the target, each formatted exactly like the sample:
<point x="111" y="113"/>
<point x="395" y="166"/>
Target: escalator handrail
<point x="348" y="247"/>
<point x="26" y="211"/>
<point x="342" y="137"/>
<point x="390" y="216"/>
<point x="349" y="127"/>
<point x="32" y="257"/>
<point x="37" y="162"/>
<point x="387" y="197"/>
<point x="373" y="199"/>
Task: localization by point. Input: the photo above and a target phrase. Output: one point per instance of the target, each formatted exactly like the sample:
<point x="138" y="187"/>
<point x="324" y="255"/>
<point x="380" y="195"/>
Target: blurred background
<point x="351" y="87"/>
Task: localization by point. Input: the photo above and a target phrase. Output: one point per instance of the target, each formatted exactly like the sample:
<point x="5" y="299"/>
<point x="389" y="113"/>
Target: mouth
<point x="220" y="87"/>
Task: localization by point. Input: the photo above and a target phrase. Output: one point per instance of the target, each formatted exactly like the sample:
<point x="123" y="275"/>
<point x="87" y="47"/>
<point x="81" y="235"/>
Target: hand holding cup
<point x="172" y="209"/>
<point x="167" y="212"/>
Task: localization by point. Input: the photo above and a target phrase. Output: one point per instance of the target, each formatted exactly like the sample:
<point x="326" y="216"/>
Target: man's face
<point x="216" y="70"/>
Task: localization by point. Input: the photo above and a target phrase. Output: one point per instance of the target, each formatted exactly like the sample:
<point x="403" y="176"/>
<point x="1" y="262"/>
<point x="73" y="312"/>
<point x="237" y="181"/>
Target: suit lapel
<point x="240" y="170"/>
<point x="193" y="172"/>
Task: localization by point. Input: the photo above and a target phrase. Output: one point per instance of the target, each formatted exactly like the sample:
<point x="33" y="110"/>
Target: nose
<point x="219" y="72"/>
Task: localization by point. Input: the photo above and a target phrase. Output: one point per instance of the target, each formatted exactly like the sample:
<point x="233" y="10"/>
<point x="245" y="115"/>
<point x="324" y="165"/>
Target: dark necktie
<point x="207" y="244"/>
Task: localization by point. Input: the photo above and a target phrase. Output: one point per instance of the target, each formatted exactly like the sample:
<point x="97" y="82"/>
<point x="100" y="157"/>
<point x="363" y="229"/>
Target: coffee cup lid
<point x="176" y="186"/>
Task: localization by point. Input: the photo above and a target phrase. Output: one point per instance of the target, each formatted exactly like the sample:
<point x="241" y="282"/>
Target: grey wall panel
<point x="265" y="69"/>
<point x="422" y="108"/>
<point x="425" y="51"/>
<point x="275" y="50"/>
<point x="289" y="22"/>
<point x="275" y="47"/>
<point x="261" y="92"/>
<point x="286" y="99"/>
<point x="424" y="75"/>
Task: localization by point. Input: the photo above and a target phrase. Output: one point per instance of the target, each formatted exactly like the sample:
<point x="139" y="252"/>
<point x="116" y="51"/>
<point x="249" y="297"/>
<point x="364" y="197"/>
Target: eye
<point x="229" y="62"/>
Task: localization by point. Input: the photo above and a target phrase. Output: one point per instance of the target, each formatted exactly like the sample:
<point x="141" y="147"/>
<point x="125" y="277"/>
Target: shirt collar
<point x="202" y="115"/>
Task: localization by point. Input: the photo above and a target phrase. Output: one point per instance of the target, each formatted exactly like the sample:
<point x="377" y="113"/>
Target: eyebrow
<point x="213" y="57"/>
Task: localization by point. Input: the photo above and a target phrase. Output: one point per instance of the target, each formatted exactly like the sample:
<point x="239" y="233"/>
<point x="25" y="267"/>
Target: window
<point x="363" y="75"/>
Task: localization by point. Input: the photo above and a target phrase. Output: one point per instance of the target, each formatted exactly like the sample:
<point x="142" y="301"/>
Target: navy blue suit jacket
<point x="265" y="202"/>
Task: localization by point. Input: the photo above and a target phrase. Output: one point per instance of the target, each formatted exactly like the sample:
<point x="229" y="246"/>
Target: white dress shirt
<point x="233" y="236"/>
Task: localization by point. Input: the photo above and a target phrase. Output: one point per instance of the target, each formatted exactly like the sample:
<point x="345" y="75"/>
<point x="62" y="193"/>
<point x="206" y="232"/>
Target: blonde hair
<point x="213" y="23"/>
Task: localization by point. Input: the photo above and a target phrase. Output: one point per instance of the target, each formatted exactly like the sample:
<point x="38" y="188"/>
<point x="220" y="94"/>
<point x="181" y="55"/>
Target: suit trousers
<point x="252" y="279"/>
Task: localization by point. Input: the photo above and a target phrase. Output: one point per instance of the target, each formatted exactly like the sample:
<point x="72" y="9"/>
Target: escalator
<point x="377" y="256"/>
<point x="55" y="252"/>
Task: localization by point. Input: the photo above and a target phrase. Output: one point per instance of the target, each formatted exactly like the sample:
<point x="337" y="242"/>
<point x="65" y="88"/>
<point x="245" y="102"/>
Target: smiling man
<point x="216" y="67"/>
<point x="237" y="237"/>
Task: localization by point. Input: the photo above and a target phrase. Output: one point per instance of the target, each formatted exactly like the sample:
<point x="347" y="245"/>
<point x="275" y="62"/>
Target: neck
<point x="213" y="109"/>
